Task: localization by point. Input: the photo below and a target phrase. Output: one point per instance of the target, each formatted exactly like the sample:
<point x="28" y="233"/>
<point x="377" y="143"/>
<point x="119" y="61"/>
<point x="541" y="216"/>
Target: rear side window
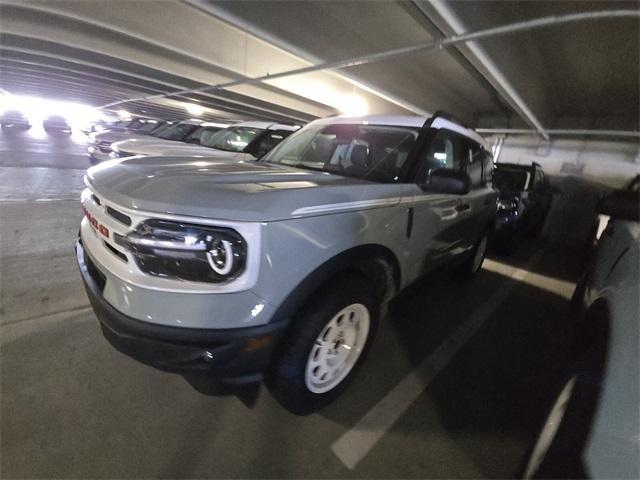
<point x="539" y="179"/>
<point x="474" y="164"/>
<point x="446" y="150"/>
<point x="270" y="140"/>
<point x="487" y="167"/>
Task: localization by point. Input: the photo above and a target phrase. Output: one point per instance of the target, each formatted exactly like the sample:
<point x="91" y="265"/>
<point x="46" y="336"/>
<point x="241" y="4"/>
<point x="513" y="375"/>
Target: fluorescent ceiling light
<point x="353" y="105"/>
<point x="194" y="109"/>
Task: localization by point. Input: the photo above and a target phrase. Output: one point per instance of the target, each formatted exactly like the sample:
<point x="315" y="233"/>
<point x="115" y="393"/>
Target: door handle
<point x="462" y="207"/>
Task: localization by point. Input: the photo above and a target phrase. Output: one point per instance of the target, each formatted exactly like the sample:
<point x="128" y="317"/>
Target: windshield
<point x="371" y="152"/>
<point x="161" y="129"/>
<point x="232" y="139"/>
<point x="202" y="134"/>
<point x="149" y="126"/>
<point x="136" y="124"/>
<point x="510" y="179"/>
<point x="178" y="131"/>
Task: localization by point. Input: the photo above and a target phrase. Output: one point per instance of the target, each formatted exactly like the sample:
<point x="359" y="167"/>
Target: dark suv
<point x="524" y="199"/>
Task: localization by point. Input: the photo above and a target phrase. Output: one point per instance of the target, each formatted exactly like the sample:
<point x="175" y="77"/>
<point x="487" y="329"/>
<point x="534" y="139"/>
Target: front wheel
<point x="325" y="346"/>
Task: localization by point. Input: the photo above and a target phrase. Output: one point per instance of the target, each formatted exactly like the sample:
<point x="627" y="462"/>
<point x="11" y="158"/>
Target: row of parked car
<point x="141" y="136"/>
<point x="524" y="191"/>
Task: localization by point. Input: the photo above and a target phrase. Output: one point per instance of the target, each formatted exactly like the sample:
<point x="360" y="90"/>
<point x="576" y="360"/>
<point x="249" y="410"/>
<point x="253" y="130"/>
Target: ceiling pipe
<point x="561" y="132"/>
<point x="502" y="84"/>
<point x="440" y="43"/>
<point x="268" y="37"/>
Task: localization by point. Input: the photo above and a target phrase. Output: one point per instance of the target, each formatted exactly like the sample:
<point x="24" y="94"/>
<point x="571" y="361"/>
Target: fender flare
<point x="351" y="258"/>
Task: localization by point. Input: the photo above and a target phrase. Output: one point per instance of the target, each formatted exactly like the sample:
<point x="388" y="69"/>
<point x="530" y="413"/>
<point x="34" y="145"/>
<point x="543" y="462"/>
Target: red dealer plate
<point x="93" y="221"/>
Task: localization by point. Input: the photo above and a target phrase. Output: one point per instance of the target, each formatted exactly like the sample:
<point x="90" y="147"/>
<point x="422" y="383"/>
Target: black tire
<point x="286" y="376"/>
<point x="469" y="269"/>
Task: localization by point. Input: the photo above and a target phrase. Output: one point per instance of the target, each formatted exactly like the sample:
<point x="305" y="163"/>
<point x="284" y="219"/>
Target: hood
<point x="146" y="145"/>
<point x="112" y="136"/>
<point x="223" y="190"/>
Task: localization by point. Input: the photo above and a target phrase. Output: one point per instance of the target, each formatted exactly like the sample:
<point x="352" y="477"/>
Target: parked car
<point x="174" y="135"/>
<point x="100" y="143"/>
<point x="593" y="429"/>
<point x="524" y="199"/>
<point x="98" y="126"/>
<point x="243" y="141"/>
<point x="229" y="272"/>
<point x="204" y="132"/>
<point x="14" y="119"/>
<point x="56" y="124"/>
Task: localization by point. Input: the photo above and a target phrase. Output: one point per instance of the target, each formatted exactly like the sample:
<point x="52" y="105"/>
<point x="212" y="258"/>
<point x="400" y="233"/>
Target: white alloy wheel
<point x="549" y="430"/>
<point x="337" y="348"/>
<point x="479" y="255"/>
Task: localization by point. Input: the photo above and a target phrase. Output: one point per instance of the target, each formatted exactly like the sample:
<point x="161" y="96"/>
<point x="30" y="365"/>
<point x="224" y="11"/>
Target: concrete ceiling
<point x="98" y="52"/>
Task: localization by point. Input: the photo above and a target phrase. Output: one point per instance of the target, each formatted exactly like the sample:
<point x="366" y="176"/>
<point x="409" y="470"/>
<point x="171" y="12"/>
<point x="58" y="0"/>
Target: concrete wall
<point x="610" y="163"/>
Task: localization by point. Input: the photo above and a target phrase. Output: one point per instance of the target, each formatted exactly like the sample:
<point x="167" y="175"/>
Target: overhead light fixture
<point x="194" y="109"/>
<point x="353" y="105"/>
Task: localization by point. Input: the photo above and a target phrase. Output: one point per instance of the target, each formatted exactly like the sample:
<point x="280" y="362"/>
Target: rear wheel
<point x="473" y="264"/>
<point x="325" y="346"/>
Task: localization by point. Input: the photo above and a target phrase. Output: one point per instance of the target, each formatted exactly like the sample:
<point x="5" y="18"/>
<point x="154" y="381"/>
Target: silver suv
<point x="231" y="272"/>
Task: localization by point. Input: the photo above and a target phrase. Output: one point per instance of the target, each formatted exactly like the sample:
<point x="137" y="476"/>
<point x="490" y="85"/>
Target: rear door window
<point x="446" y="150"/>
<point x="487" y="167"/>
<point x="474" y="164"/>
<point x="270" y="140"/>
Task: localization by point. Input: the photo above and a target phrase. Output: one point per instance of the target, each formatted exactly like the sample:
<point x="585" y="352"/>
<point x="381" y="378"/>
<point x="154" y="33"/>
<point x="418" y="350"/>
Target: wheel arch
<point x="369" y="261"/>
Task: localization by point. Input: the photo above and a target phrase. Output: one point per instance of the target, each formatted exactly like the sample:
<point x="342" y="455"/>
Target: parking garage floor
<point x="458" y="382"/>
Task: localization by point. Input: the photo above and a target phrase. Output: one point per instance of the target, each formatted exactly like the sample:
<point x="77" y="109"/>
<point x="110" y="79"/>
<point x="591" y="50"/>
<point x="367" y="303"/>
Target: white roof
<point x="402" y="121"/>
<point x="192" y="121"/>
<point x="282" y="126"/>
<point x="253" y="124"/>
<point x="467" y="132"/>
<point x="214" y="124"/>
<point x="392" y="120"/>
<point x="267" y="125"/>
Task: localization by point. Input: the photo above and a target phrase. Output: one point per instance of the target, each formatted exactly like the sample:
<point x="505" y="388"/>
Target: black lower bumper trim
<point x="230" y="355"/>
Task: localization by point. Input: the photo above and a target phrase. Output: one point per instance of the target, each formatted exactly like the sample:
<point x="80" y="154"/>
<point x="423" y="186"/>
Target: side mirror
<point x="444" y="180"/>
<point x="621" y="204"/>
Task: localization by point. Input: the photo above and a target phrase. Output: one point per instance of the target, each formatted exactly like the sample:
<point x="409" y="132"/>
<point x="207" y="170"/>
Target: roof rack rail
<point x="448" y="116"/>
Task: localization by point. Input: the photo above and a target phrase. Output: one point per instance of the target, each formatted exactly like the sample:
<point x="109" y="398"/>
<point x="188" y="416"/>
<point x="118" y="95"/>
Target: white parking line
<point x="354" y="444"/>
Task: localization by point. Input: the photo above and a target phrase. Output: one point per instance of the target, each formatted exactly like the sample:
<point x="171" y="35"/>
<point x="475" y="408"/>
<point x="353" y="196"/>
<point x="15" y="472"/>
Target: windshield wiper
<point x="304" y="166"/>
<point x="223" y="149"/>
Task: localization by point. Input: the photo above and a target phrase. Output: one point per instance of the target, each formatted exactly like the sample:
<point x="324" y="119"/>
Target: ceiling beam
<point x="459" y="38"/>
<point x="562" y="132"/>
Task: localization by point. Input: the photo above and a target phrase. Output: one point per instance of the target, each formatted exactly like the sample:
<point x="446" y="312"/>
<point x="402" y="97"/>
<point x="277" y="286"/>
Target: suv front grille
<point x="95" y="274"/>
<point x="117" y="253"/>
<point x="121" y="217"/>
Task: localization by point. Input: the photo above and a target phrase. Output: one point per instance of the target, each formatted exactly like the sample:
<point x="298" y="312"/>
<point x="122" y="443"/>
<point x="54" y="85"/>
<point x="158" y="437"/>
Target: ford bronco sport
<point x="280" y="268"/>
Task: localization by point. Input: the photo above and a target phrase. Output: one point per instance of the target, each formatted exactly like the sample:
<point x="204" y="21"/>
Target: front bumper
<point x="506" y="225"/>
<point x="230" y="356"/>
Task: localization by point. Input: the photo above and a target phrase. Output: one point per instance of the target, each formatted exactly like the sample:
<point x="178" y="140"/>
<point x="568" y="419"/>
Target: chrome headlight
<point x="185" y="251"/>
<point x="507" y="205"/>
